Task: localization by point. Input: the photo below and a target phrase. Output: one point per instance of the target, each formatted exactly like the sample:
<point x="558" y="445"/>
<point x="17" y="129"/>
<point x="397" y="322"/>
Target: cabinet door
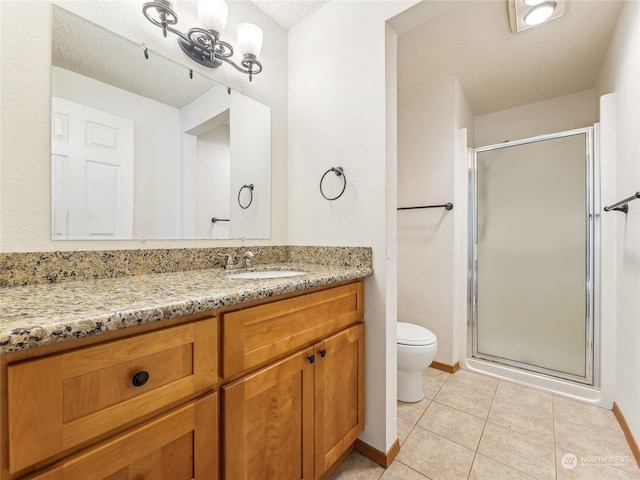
<point x="179" y="445"/>
<point x="255" y="335"/>
<point x="268" y="422"/>
<point x="339" y="395"/>
<point x="60" y="401"/>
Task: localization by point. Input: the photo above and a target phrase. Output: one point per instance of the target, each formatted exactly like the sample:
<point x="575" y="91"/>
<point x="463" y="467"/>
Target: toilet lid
<point x="410" y="334"/>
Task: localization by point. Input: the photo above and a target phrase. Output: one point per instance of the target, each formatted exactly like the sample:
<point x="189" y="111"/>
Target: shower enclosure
<point x="531" y="255"/>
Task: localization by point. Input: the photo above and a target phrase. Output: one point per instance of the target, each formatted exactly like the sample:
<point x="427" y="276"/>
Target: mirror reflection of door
<point x="92" y="185"/>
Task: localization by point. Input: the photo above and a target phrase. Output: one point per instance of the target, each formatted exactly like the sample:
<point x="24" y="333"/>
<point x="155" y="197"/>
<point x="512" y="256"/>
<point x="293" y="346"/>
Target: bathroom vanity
<point x="247" y="379"/>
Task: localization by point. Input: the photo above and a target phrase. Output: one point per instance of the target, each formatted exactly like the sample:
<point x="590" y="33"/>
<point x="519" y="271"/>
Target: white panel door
<point x="92" y="173"/>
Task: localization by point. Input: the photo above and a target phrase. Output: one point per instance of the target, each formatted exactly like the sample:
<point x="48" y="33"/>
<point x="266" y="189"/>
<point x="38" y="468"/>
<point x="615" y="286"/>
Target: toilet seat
<point x="411" y="334"/>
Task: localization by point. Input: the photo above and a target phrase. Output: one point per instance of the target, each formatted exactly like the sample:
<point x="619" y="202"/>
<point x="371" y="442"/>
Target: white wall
<point x="250" y="119"/>
<point x="429" y="118"/>
<point x="621" y="74"/>
<point x="339" y="116"/>
<point x="426" y="129"/>
<point x="568" y="112"/>
<point x="250" y="141"/>
<point x="25" y="187"/>
<point x="463" y="139"/>
<point x="195" y="119"/>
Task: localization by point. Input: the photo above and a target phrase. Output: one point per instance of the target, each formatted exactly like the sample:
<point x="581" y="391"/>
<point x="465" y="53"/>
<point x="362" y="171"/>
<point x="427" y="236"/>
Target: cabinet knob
<point x="323" y="352"/>
<point x="140" y="378"/>
<point x="312" y="358"/>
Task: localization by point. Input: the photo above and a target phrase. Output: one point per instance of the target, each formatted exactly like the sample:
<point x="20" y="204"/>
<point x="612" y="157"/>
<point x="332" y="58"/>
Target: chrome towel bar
<point x="447" y="206"/>
<point x="622" y="205"/>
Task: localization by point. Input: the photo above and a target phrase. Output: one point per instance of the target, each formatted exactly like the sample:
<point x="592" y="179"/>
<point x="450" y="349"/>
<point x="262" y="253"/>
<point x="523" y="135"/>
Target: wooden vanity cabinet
<point x="179" y="445"/>
<point x="62" y="403"/>
<point x="339" y="396"/>
<point x="268" y="422"/>
<point x="285" y="403"/>
<point x="293" y="419"/>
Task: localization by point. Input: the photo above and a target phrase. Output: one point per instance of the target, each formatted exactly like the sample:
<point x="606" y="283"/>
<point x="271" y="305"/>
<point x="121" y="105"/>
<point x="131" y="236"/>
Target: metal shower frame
<point x="592" y="339"/>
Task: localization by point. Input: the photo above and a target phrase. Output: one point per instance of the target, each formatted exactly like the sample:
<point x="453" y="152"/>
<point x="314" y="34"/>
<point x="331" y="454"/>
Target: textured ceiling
<point x="498" y="69"/>
<point x="90" y="50"/>
<point x="287" y="13"/>
<point x="470" y="39"/>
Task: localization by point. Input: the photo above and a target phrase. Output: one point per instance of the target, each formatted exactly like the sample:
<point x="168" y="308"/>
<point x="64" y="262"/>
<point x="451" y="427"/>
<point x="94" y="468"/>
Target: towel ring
<point x="250" y="187"/>
<point x="339" y="171"/>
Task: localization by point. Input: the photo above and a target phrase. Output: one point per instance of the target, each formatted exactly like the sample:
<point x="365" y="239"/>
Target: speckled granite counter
<point x="42" y="314"/>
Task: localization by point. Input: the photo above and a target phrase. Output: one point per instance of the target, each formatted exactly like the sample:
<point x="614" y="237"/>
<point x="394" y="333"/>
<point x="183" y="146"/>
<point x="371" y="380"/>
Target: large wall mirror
<point x="144" y="148"/>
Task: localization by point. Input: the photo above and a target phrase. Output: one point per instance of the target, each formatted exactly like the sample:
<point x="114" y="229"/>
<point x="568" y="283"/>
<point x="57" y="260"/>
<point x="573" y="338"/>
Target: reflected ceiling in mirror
<point x="145" y="148"/>
<point x="90" y="50"/>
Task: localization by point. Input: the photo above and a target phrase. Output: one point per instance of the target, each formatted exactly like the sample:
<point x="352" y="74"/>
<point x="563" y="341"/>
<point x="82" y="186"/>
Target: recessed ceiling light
<point x="540" y="13"/>
<point x="532" y="3"/>
<point x="519" y="11"/>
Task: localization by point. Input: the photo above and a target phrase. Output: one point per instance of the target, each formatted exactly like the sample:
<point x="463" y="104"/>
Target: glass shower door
<point x="532" y="255"/>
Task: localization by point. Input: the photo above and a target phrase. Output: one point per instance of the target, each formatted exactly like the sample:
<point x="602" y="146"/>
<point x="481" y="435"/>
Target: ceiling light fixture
<point x="540" y="13"/>
<point x="203" y="45"/>
<point x="524" y="14"/>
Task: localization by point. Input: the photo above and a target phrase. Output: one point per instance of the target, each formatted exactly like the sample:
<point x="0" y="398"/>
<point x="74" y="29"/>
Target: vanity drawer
<point x="179" y="445"/>
<point x="255" y="335"/>
<point x="63" y="400"/>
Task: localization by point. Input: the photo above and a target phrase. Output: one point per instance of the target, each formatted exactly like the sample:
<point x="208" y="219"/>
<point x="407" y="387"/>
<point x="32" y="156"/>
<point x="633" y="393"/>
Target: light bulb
<point x="249" y="39"/>
<point x="540" y="13"/>
<point x="213" y="14"/>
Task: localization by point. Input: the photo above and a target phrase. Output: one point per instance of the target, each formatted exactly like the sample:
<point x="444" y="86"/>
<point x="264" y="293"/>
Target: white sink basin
<point x="267" y="274"/>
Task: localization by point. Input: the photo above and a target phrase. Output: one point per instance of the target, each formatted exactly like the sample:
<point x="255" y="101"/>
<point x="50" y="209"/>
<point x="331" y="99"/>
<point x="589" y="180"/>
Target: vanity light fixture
<point x="203" y="44"/>
<point x="524" y="14"/>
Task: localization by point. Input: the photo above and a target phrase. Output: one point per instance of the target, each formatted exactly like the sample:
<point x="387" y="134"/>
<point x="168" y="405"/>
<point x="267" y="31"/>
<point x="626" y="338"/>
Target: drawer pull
<point x="312" y="358"/>
<point x="323" y="352"/>
<point x="140" y="378"/>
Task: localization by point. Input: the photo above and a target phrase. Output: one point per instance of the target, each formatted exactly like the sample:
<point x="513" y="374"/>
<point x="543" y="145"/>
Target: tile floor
<point x="474" y="427"/>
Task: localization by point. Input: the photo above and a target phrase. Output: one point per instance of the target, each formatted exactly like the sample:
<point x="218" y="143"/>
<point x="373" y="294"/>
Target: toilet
<point x="417" y="348"/>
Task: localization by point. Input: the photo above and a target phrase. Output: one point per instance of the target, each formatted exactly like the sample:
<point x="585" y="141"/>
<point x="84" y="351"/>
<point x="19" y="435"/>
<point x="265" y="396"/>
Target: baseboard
<point x="445" y="368"/>
<point x="635" y="449"/>
<point x="381" y="458"/>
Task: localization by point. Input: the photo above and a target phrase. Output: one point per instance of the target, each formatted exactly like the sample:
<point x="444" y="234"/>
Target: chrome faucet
<point x="246" y="260"/>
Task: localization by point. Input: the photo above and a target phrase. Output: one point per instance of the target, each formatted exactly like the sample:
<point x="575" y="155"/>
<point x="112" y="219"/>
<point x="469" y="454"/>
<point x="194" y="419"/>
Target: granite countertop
<point x="36" y="315"/>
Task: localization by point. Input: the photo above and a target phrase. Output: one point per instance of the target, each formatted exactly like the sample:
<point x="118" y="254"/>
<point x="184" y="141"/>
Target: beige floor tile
<point x="435" y="372"/>
<point x="574" y="467"/>
<point x="399" y="471"/>
<point x="404" y="428"/>
<point x="594" y="441"/>
<point x="524" y="434"/>
<point x="526" y="396"/>
<point x="411" y="412"/>
<point x="485" y="468"/>
<point x="465" y="399"/>
<point x="435" y="456"/>
<point x="357" y="467"/>
<point x="475" y="381"/>
<point x="518" y="451"/>
<point x="582" y="413"/>
<point x="432" y="381"/>
<point x="453" y="424"/>
<point x="537" y="423"/>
